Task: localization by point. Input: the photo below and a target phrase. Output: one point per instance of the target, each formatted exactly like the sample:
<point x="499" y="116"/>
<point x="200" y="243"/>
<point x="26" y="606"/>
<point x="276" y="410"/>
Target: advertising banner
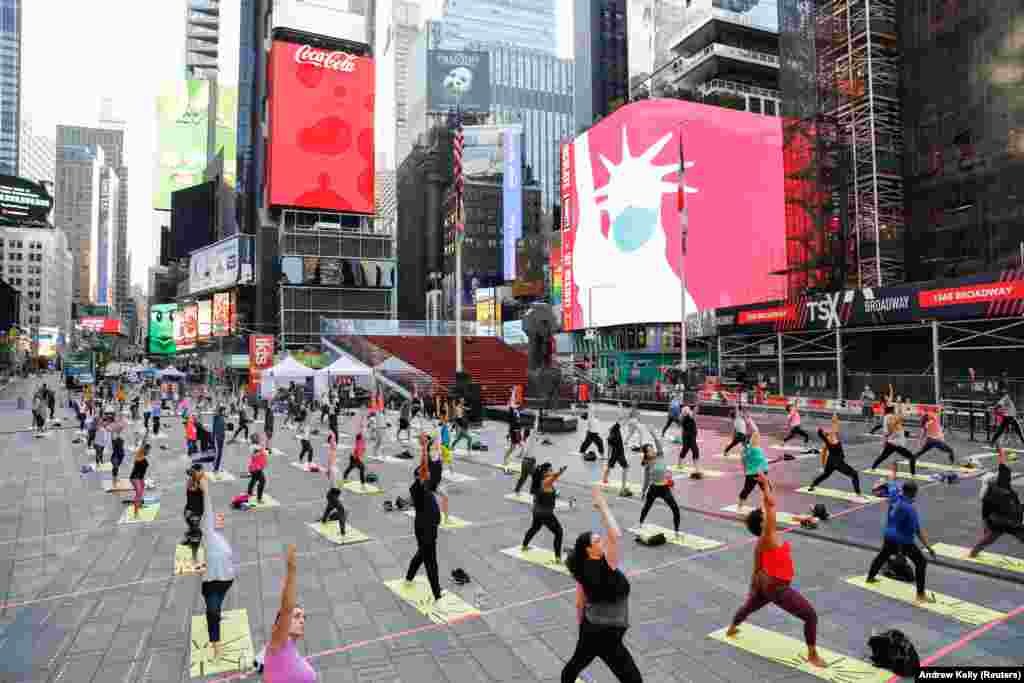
<point x="226" y="136"/>
<point x="986" y="295"/>
<point x="261" y="357"/>
<point x="233" y="313"/>
<point x="568" y="220"/>
<point x="205" y="320"/>
<point x="622" y="244"/>
<point x="47" y="339"/>
<point x="214" y="267"/>
<point x="190" y="327"/>
<point x="101" y="325"/>
<point x="77" y="363"/>
<point x="183" y="115"/>
<point x="458" y="79"/>
<point x="90" y="311"/>
<point x="161" y="328"/>
<point x="23" y="199"/>
<point x="512" y="200"/>
<point x="221" y="314"/>
<point x="321" y="153"/>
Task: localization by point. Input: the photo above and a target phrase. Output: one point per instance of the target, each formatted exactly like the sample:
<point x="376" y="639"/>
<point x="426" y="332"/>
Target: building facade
<point x="406" y="27"/>
<point x="727" y="53"/>
<point x="526" y="24"/>
<point x="602" y="60"/>
<point x="77" y="209"/>
<point x="202" y="34"/>
<point x="112" y="142"/>
<point x="37" y="156"/>
<point x="10" y="85"/>
<point x="104" y="243"/>
<point x="963" y="135"/>
<point x="39" y="264"/>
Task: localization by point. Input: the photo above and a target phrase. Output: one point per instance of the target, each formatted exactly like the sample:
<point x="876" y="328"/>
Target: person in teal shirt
<point x="754" y="463"/>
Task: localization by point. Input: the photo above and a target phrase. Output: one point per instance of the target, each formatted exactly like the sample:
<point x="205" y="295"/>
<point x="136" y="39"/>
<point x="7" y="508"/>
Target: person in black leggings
<point x="243" y="424"/>
<point x="659" y="486"/>
<point x="428" y="519"/>
<point x="529" y="462"/>
<point x="335" y="511"/>
<point x="834" y="461"/>
<point x="895" y="442"/>
<point x="194" y="507"/>
<point x="602" y="601"/>
<point x="544" y="495"/>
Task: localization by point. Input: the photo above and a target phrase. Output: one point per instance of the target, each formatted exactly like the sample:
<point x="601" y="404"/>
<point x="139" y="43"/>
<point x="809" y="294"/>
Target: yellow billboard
<point x="183" y="119"/>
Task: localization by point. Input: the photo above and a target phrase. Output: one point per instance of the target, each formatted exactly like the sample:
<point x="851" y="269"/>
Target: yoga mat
<point x="947" y="606"/>
<point x="539" y="557"/>
<point x="449" y="608"/>
<point x="234" y="635"/>
<point x="685" y="540"/>
<point x="331" y="532"/>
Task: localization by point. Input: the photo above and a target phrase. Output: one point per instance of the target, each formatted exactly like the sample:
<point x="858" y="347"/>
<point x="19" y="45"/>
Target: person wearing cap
<point x="901" y="527"/>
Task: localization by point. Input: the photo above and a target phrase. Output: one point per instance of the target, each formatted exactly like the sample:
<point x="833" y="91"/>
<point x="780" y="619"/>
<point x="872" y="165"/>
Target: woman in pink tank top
<point x="773" y="572"/>
<point x="932" y="437"/>
<point x="282" y="663"/>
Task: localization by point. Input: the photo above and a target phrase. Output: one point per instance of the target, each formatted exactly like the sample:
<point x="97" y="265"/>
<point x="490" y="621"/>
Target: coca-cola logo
<point x="326" y="59"/>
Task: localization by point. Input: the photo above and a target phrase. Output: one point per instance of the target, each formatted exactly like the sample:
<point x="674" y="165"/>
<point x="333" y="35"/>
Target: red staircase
<point x="492" y="364"/>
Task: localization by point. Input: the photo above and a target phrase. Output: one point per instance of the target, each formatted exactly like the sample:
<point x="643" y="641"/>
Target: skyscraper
<point x="79" y="172"/>
<point x="528" y="24"/>
<point x="10" y="85"/>
<point x="202" y="33"/>
<point x="37" y="155"/>
<point x="112" y="142"/>
<point x="602" y="60"/>
<point x="405" y="29"/>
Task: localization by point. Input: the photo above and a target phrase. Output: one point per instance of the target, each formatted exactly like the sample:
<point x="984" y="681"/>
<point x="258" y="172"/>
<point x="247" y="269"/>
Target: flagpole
<point x="459" y="228"/>
<point x="684" y="216"/>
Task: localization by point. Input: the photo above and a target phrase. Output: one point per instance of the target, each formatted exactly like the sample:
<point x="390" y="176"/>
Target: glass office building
<point x="10" y="84"/>
<point x="526" y="24"/>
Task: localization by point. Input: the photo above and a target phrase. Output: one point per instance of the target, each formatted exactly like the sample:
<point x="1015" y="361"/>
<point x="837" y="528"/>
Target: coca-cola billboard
<point x="321" y="152"/>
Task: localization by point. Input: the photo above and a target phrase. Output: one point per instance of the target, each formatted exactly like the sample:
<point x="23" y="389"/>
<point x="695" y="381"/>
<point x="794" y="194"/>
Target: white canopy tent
<point x="345" y="366"/>
<point x="287" y="370"/>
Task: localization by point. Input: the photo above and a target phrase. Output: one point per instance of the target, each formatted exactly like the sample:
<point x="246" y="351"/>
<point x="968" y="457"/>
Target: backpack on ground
<point x="898" y="568"/>
<point x="371" y="478"/>
<point x="820" y="511"/>
<point x="589" y="456"/>
<point x="893" y="651"/>
<point x="238" y="501"/>
<point x="652" y="541"/>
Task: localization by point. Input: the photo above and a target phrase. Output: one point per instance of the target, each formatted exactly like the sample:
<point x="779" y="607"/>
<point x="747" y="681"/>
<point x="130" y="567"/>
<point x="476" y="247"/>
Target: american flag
<point x="457" y="145"/>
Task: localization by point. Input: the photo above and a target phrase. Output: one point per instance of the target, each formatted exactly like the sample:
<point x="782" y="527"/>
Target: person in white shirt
<point x="1009" y="422"/>
<point x="593" y="436"/>
<point x="307" y="446"/>
<point x="739" y="426"/>
<point x="219" y="570"/>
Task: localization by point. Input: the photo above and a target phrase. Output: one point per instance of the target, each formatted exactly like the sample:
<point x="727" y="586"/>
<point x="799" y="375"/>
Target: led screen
<point x="161" y="328"/>
<point x="321" y="128"/>
<point x="621" y="227"/>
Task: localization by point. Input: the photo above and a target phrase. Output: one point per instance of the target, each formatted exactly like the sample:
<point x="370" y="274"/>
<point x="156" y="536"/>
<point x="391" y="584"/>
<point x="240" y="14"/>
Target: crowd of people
<point x="435" y="428"/>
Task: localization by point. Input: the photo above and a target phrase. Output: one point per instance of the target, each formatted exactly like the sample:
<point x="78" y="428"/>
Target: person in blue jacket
<point x="902" y="527"/>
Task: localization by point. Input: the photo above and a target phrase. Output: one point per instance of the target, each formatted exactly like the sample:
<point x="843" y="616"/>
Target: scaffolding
<point x="859" y="62"/>
<point x="338" y="252"/>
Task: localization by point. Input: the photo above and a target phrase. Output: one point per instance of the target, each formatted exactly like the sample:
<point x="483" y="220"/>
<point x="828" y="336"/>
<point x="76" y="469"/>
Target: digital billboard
<point x="512" y="200"/>
<point x="621" y="230"/>
<point x="183" y="116"/>
<point x="221" y="314"/>
<point x="205" y="320"/>
<point x="321" y="127"/>
<point x="23" y="199"/>
<point x="189" y="327"/>
<point x="214" y="267"/>
<point x="192" y="219"/>
<point x="226" y="136"/>
<point x="47" y="339"/>
<point x="162" y="328"/>
<point x="458" y="80"/>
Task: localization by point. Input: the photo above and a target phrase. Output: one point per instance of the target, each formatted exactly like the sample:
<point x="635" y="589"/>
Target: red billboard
<point x="261" y="357"/>
<point x="621" y="246"/>
<point x="321" y="153"/>
<point x="101" y="325"/>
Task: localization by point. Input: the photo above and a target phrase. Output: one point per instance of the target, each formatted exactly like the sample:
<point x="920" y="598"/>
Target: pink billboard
<point x="621" y="232"/>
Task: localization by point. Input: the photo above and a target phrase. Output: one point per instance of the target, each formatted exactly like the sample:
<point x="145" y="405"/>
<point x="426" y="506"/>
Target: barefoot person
<point x="659" y="485"/>
<point x="356" y="460"/>
<point x="833" y="459"/>
<point x="428" y="518"/>
<point x="754" y="464"/>
<point x="689" y="445"/>
<point x="219" y="573"/>
<point x="592" y="437"/>
<point x="739" y="428"/>
<point x="283" y="664"/>
<point x="895" y="442"/>
<point x="773" y="575"/>
<point x="602" y="601"/>
<point x="618" y="457"/>
<point x="544" y="495"/>
<point x="138" y="476"/>
<point x="1000" y="507"/>
<point x="901" y="527"/>
<point x="793" y="423"/>
<point x="933" y="437"/>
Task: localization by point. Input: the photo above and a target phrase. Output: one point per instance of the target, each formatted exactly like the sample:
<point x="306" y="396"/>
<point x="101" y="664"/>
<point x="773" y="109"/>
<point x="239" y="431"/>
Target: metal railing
<point x="739" y="88"/>
<point x="405" y="328"/>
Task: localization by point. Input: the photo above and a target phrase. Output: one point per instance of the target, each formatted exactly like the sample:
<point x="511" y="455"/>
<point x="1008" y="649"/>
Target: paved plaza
<point x="84" y="598"/>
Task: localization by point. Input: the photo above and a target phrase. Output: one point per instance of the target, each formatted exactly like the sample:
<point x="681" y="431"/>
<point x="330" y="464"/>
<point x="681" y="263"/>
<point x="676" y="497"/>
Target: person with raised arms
<point x="773" y="574"/>
<point x="282" y="663"/>
<point x="428" y="519"/>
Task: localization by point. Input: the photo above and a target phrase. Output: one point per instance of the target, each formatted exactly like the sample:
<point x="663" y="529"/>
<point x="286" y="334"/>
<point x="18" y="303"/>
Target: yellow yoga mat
<point x="780" y="516"/>
<point x="223" y="475"/>
<point x="941" y="467"/>
<point x="617" y="486"/>
<point x="234" y="635"/>
<point x="539" y="557"/>
<point x="457" y="478"/>
<point x="268" y="502"/>
<point x="792" y="652"/>
<point x="452" y="523"/>
<point x="1007" y="562"/>
<point x="356" y="487"/>
<point x="684" y="539"/>
<point x="688" y="470"/>
<point x="104" y="467"/>
<point x="900" y="474"/>
<point x="183" y="560"/>
<point x="841" y="495"/>
<point x="946" y="605"/>
<point x="511" y="469"/>
<point x="417" y="594"/>
<point x="147" y="513"/>
<point x="527" y="499"/>
<point x="332" y="533"/>
<point x="123" y="486"/>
